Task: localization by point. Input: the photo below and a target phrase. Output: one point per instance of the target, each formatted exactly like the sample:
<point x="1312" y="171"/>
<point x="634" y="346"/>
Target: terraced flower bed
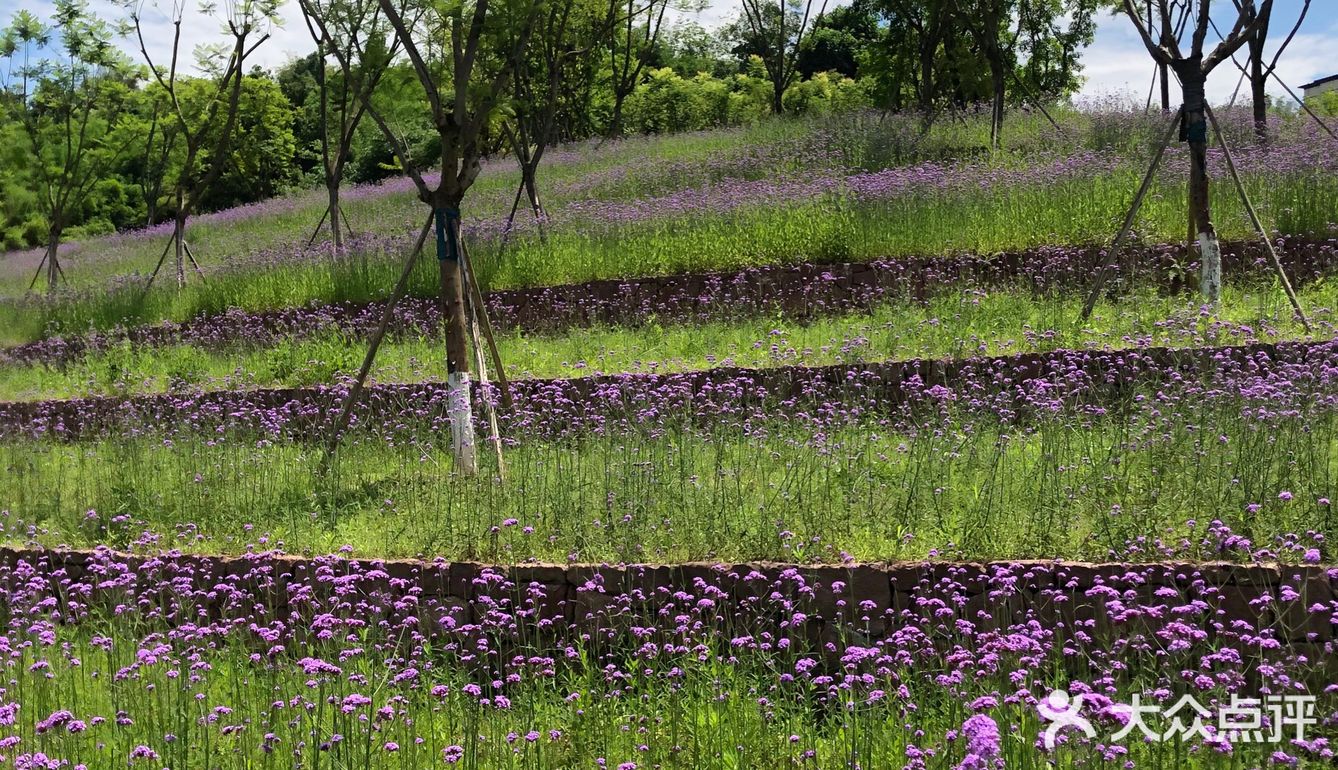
<point x="266" y="660"/>
<point x="810" y="465"/>
<point x="796" y="292"/>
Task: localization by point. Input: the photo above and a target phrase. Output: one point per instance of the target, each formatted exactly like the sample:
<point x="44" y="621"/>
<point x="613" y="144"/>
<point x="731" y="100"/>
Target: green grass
<point x="1035" y="210"/>
<point x="1065" y="487"/>
<point x="951" y="325"/>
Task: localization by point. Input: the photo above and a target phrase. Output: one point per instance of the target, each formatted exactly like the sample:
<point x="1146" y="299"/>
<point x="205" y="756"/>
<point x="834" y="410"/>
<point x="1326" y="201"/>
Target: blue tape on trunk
<point x="448" y="244"/>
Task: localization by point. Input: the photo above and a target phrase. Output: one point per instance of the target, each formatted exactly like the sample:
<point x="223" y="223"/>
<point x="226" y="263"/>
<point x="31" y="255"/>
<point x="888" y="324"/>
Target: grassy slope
<point x="1047" y="190"/>
<point x="1013" y="497"/>
<point x="972" y="323"/>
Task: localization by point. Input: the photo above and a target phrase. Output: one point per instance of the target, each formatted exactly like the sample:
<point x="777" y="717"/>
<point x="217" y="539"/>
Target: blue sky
<point x="1115" y="65"/>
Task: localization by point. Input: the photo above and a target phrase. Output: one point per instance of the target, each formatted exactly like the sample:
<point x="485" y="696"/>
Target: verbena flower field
<point x="809" y="462"/>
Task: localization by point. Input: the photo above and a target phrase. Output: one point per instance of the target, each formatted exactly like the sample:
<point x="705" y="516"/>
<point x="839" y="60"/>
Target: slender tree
<point x="635" y="34"/>
<point x="777" y="32"/>
<point x="342" y="103"/>
<point x="1260" y="69"/>
<point x="204" y="128"/>
<point x="159" y="143"/>
<point x="464" y="56"/>
<point x="538" y="94"/>
<point x="1049" y="32"/>
<point x="1192" y="67"/>
<point x="920" y="28"/>
<point x="68" y="98"/>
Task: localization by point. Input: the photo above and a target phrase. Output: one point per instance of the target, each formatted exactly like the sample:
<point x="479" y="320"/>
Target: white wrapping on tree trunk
<point x="1210" y="270"/>
<point x="462" y="422"/>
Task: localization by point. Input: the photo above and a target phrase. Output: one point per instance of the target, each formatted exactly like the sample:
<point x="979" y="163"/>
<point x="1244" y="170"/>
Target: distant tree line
<point x="93" y="140"/>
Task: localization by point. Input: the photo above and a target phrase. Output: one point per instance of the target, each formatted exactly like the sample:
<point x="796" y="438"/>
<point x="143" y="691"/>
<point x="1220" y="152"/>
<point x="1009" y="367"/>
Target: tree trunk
<point x="1258" y="95"/>
<point x="179" y="245"/>
<point x="52" y="260"/>
<point x="1165" y="87"/>
<point x="528" y="173"/>
<point x="616" y="122"/>
<point x="777" y="97"/>
<point x="336" y="236"/>
<point x="926" y="80"/>
<point x="1196" y="133"/>
<point x="997" y="111"/>
<point x="460" y="410"/>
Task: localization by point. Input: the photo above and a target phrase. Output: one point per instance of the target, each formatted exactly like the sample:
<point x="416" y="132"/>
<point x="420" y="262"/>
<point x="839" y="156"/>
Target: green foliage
<point x="825" y="93"/>
<point x="260" y="161"/>
<point x="936" y="53"/>
<point x="62" y="99"/>
<point x="1325" y="104"/>
<point x="669" y="102"/>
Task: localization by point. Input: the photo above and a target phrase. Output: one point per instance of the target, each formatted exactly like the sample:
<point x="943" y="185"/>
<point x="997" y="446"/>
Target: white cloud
<point x="1117" y="64"/>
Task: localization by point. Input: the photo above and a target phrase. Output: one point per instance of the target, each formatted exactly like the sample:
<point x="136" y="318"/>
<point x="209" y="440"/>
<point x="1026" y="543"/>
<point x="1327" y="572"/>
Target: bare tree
<point x="206" y="144"/>
<point x="1259" y="71"/>
<point x="538" y="94"/>
<point x="1192" y="69"/>
<point x="343" y="104"/>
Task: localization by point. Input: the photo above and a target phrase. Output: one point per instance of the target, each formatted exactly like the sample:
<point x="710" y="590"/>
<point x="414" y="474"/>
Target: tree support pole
<point x="475" y="310"/>
<point x="1036" y="101"/>
<point x="1304" y="106"/>
<point x="481" y="310"/>
<point x="325" y="215"/>
<point x="191" y="256"/>
<point x="1104" y="274"/>
<point x="33" y="283"/>
<point x="1258" y="225"/>
<point x="161" y="260"/>
<point x="345" y="411"/>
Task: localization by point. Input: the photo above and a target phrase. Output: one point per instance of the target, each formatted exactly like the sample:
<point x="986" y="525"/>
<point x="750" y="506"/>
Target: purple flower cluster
<point x="893" y="643"/>
<point x="1261" y="382"/>
<point x="797" y="292"/>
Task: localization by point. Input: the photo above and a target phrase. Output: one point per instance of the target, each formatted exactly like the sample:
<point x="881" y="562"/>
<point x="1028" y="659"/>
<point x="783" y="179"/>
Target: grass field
<point x="1092" y="450"/>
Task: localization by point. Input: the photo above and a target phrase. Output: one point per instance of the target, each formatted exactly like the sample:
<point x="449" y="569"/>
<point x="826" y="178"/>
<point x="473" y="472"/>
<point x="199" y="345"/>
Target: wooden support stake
<point x="1104" y="274"/>
<point x="325" y="215"/>
<point x="45" y="254"/>
<point x="161" y="260"/>
<point x="476" y="298"/>
<point x="1036" y="101"/>
<point x="341" y="421"/>
<point x="494" y="434"/>
<point x="1304" y="106"/>
<point x="1258" y="225"/>
<point x="191" y="256"/>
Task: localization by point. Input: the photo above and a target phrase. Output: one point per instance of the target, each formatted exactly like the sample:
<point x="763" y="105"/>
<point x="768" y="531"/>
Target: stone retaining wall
<point x="829" y="606"/>
<point x="1106" y="375"/>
